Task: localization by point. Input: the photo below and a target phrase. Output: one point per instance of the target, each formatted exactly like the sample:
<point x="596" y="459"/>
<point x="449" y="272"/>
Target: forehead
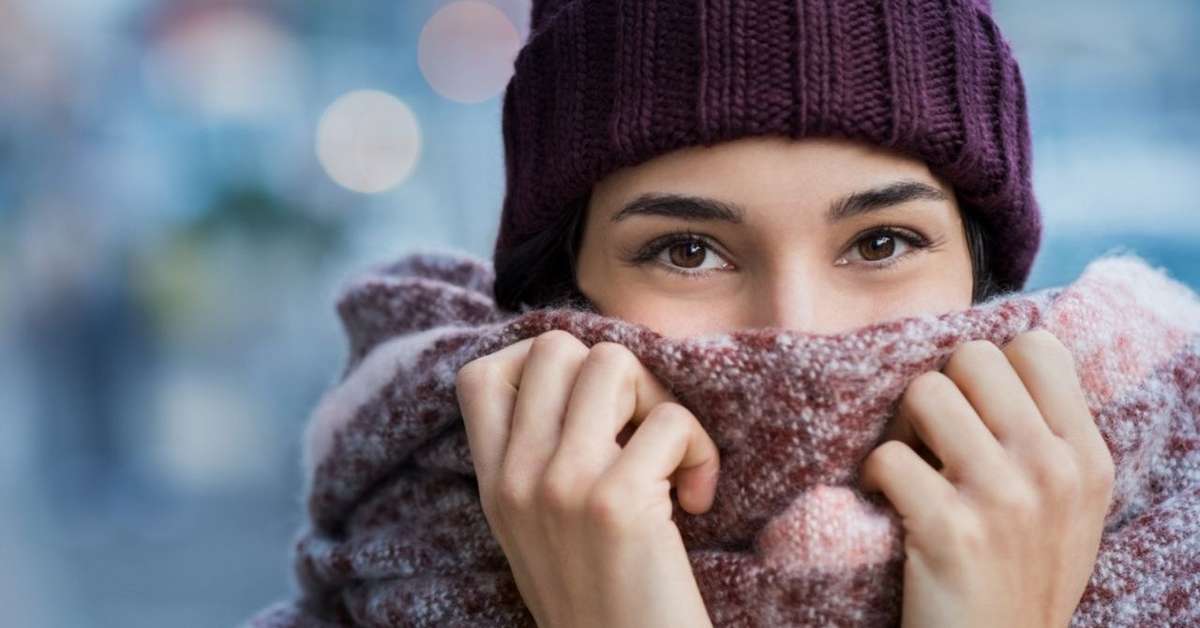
<point x="764" y="171"/>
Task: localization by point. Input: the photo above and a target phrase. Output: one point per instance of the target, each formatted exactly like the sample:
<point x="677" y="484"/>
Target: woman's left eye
<point x="881" y="247"/>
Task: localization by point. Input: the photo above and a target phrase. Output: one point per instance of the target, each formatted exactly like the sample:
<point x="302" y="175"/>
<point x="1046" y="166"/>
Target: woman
<point x="798" y="165"/>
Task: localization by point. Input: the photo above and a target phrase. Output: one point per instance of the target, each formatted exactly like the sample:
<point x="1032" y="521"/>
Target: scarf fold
<point x="395" y="535"/>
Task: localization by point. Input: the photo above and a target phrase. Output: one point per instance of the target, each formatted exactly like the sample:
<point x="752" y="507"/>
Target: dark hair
<point x="540" y="272"/>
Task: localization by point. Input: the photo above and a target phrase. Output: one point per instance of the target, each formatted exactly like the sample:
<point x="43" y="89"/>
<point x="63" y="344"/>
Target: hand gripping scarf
<point x="395" y="534"/>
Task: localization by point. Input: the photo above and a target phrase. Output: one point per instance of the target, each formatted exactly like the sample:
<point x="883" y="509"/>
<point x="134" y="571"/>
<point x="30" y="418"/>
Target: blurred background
<point x="184" y="184"/>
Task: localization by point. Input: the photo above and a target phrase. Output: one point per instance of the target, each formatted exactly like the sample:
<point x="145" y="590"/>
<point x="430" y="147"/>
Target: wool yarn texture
<point x="395" y="534"/>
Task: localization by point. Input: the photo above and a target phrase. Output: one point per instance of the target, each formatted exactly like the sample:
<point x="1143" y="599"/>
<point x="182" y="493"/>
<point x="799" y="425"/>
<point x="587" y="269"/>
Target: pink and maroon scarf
<point x="395" y="535"/>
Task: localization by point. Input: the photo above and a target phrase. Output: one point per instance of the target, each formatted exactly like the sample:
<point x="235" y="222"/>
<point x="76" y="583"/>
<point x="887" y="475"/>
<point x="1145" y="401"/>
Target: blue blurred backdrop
<point x="183" y="185"/>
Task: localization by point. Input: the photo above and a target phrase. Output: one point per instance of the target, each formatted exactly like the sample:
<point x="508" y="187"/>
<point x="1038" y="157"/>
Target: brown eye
<point x="688" y="254"/>
<point x="877" y="250"/>
<point x="877" y="247"/>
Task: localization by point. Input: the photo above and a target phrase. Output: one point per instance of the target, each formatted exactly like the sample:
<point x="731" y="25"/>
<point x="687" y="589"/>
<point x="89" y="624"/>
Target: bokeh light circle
<point x="368" y="141"/>
<point x="466" y="51"/>
<point x="226" y="61"/>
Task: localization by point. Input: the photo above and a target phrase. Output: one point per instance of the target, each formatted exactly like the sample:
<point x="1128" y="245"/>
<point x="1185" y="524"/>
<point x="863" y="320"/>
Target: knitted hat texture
<point x="604" y="84"/>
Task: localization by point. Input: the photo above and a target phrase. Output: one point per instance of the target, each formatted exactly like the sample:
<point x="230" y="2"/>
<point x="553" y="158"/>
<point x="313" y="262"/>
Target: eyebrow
<point x="699" y="208"/>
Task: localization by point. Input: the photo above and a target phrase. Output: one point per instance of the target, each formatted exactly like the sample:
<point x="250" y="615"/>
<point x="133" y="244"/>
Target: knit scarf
<point x="395" y="534"/>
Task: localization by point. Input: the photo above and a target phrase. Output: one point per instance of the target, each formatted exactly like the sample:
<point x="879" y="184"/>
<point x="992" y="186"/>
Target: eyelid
<point x="656" y="246"/>
<point x="914" y="240"/>
<point x="897" y="230"/>
<point x="648" y="254"/>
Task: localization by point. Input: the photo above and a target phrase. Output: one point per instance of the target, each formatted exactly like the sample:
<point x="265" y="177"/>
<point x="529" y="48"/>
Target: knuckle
<point x="972" y="352"/>
<point x="612" y="354"/>
<point x="673" y="416"/>
<point x="607" y="506"/>
<point x="1041" y="342"/>
<point x="473" y="374"/>
<point x="970" y="536"/>
<point x="1018" y="502"/>
<point x="878" y="463"/>
<point x="880" y="459"/>
<point x="557" y="492"/>
<point x="512" y="496"/>
<point x="1044" y="339"/>
<point x="925" y="387"/>
<point x="556" y="341"/>
<point x="1056" y="473"/>
<point x="958" y="530"/>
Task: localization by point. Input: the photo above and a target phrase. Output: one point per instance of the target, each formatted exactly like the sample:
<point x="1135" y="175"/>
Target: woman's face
<point x="817" y="235"/>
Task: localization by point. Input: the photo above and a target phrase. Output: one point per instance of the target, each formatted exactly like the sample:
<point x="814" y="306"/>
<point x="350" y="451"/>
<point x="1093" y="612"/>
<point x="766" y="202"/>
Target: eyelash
<point x="648" y="253"/>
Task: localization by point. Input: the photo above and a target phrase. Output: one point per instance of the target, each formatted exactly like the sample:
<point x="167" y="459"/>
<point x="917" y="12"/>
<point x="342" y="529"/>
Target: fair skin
<point x="780" y="265"/>
<point x="994" y="463"/>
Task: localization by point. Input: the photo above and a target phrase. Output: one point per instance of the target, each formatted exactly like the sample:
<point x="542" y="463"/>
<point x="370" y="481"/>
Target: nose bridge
<point x="791" y="296"/>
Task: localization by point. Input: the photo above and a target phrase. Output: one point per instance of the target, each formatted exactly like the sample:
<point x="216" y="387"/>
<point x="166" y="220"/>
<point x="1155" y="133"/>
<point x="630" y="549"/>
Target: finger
<point x="944" y="420"/>
<point x="670" y="444"/>
<point x="901" y="429"/>
<point x="1047" y="370"/>
<point x="486" y="389"/>
<point x="908" y="482"/>
<point x="613" y="387"/>
<point x="986" y="378"/>
<point x="547" y="376"/>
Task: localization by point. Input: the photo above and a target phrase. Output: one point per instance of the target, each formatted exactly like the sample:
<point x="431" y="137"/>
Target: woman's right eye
<point x="688" y="256"/>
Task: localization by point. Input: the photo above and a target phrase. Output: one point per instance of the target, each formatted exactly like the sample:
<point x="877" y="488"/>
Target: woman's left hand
<point x="1006" y="531"/>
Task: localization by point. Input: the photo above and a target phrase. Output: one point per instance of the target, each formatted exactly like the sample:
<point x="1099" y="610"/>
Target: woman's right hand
<point x="583" y="516"/>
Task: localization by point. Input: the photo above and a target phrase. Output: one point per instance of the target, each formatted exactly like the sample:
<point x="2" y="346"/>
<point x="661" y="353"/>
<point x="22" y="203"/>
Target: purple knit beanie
<point x="603" y="84"/>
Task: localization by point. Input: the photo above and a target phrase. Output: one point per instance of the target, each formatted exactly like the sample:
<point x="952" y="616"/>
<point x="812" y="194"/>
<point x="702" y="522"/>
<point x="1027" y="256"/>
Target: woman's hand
<point x="1006" y="534"/>
<point x="583" y="516"/>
